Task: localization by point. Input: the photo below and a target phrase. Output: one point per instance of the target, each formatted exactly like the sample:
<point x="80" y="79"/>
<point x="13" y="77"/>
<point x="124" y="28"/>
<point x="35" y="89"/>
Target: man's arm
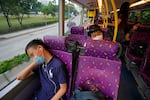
<point x="60" y="92"/>
<point x="26" y="72"/>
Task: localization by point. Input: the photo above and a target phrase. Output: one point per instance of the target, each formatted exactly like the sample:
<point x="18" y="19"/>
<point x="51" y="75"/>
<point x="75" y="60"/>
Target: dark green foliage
<point x="9" y="64"/>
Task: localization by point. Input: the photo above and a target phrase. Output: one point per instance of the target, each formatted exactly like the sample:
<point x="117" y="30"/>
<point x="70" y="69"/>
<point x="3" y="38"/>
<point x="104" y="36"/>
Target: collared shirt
<point x="51" y="76"/>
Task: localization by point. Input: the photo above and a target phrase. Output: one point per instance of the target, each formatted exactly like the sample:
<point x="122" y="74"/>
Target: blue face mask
<point x="39" y="60"/>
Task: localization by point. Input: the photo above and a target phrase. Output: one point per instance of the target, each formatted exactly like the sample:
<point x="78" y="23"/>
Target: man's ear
<point x="40" y="47"/>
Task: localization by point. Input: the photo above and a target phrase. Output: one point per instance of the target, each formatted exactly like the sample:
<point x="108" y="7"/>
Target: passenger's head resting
<point x="38" y="51"/>
<point x="95" y="32"/>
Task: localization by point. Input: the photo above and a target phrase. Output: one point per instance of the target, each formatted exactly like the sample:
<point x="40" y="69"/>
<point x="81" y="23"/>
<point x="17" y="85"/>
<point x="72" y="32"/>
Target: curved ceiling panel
<point x="93" y="3"/>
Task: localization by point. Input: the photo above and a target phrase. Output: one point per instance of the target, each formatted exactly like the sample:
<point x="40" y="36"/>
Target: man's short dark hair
<point x="34" y="43"/>
<point x="94" y="28"/>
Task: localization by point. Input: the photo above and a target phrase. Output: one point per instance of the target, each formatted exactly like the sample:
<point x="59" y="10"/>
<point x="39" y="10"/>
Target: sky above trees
<point x="46" y="2"/>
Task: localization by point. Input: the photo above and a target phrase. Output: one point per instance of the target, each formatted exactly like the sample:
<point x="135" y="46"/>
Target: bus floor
<point x="128" y="87"/>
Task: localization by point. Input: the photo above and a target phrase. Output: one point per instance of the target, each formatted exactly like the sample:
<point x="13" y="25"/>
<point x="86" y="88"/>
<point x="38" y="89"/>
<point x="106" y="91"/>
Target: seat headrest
<point x="77" y="30"/>
<point x="55" y="42"/>
<point x="80" y="38"/>
<point x="101" y="48"/>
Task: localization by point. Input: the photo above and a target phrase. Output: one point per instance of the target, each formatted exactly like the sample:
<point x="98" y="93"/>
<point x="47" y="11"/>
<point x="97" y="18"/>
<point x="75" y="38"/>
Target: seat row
<point x="98" y="69"/>
<point x="138" y="59"/>
<point x="79" y="30"/>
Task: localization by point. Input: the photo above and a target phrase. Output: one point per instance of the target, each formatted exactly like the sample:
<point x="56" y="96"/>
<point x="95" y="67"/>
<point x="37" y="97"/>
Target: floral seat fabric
<point x="101" y="49"/>
<point x="93" y="73"/>
<point x="55" y="42"/>
<point x="80" y="38"/>
<point x="77" y="30"/>
<point x="99" y="74"/>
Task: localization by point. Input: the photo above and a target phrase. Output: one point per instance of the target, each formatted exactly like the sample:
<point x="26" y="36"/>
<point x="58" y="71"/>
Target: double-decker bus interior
<point x="119" y="70"/>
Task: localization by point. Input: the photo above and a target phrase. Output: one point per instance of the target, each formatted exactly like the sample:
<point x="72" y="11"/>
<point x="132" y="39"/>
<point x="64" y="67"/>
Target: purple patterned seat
<point x="80" y="38"/>
<point x="137" y="36"/>
<point x="102" y="49"/>
<point x="99" y="74"/>
<point x="67" y="59"/>
<point x="77" y="30"/>
<point x="55" y="42"/>
<point x="105" y="73"/>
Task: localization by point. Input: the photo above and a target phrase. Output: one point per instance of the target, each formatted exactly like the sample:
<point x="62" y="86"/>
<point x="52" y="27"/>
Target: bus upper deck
<point x="99" y="64"/>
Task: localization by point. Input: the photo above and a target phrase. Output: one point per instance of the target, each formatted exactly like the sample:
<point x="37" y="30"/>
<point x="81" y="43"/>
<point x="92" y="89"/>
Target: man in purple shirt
<point x="50" y="69"/>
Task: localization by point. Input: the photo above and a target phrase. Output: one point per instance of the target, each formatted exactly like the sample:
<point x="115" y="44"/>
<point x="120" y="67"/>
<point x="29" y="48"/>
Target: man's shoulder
<point x="57" y="61"/>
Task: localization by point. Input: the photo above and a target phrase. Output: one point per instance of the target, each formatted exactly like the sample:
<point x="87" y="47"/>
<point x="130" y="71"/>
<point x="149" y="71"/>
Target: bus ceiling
<point x="143" y="5"/>
<point x="91" y="4"/>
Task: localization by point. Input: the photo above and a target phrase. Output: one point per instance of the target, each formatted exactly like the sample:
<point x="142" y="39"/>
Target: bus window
<point x="145" y="17"/>
<point x="133" y="16"/>
<point x="41" y="18"/>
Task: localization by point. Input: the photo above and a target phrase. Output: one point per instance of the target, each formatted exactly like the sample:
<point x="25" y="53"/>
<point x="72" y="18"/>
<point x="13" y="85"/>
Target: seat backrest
<point x="77" y="30"/>
<point x="98" y="68"/>
<point x="55" y="42"/>
<point x="144" y="28"/>
<point x="145" y="67"/>
<point x="140" y="36"/>
<point x="80" y="38"/>
<point x="101" y="48"/>
<point x="99" y="74"/>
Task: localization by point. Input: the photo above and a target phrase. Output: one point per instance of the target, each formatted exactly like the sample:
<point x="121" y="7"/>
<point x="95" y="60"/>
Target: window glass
<point x="145" y="19"/>
<point x="20" y="22"/>
<point x="25" y="20"/>
<point x="134" y="16"/>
